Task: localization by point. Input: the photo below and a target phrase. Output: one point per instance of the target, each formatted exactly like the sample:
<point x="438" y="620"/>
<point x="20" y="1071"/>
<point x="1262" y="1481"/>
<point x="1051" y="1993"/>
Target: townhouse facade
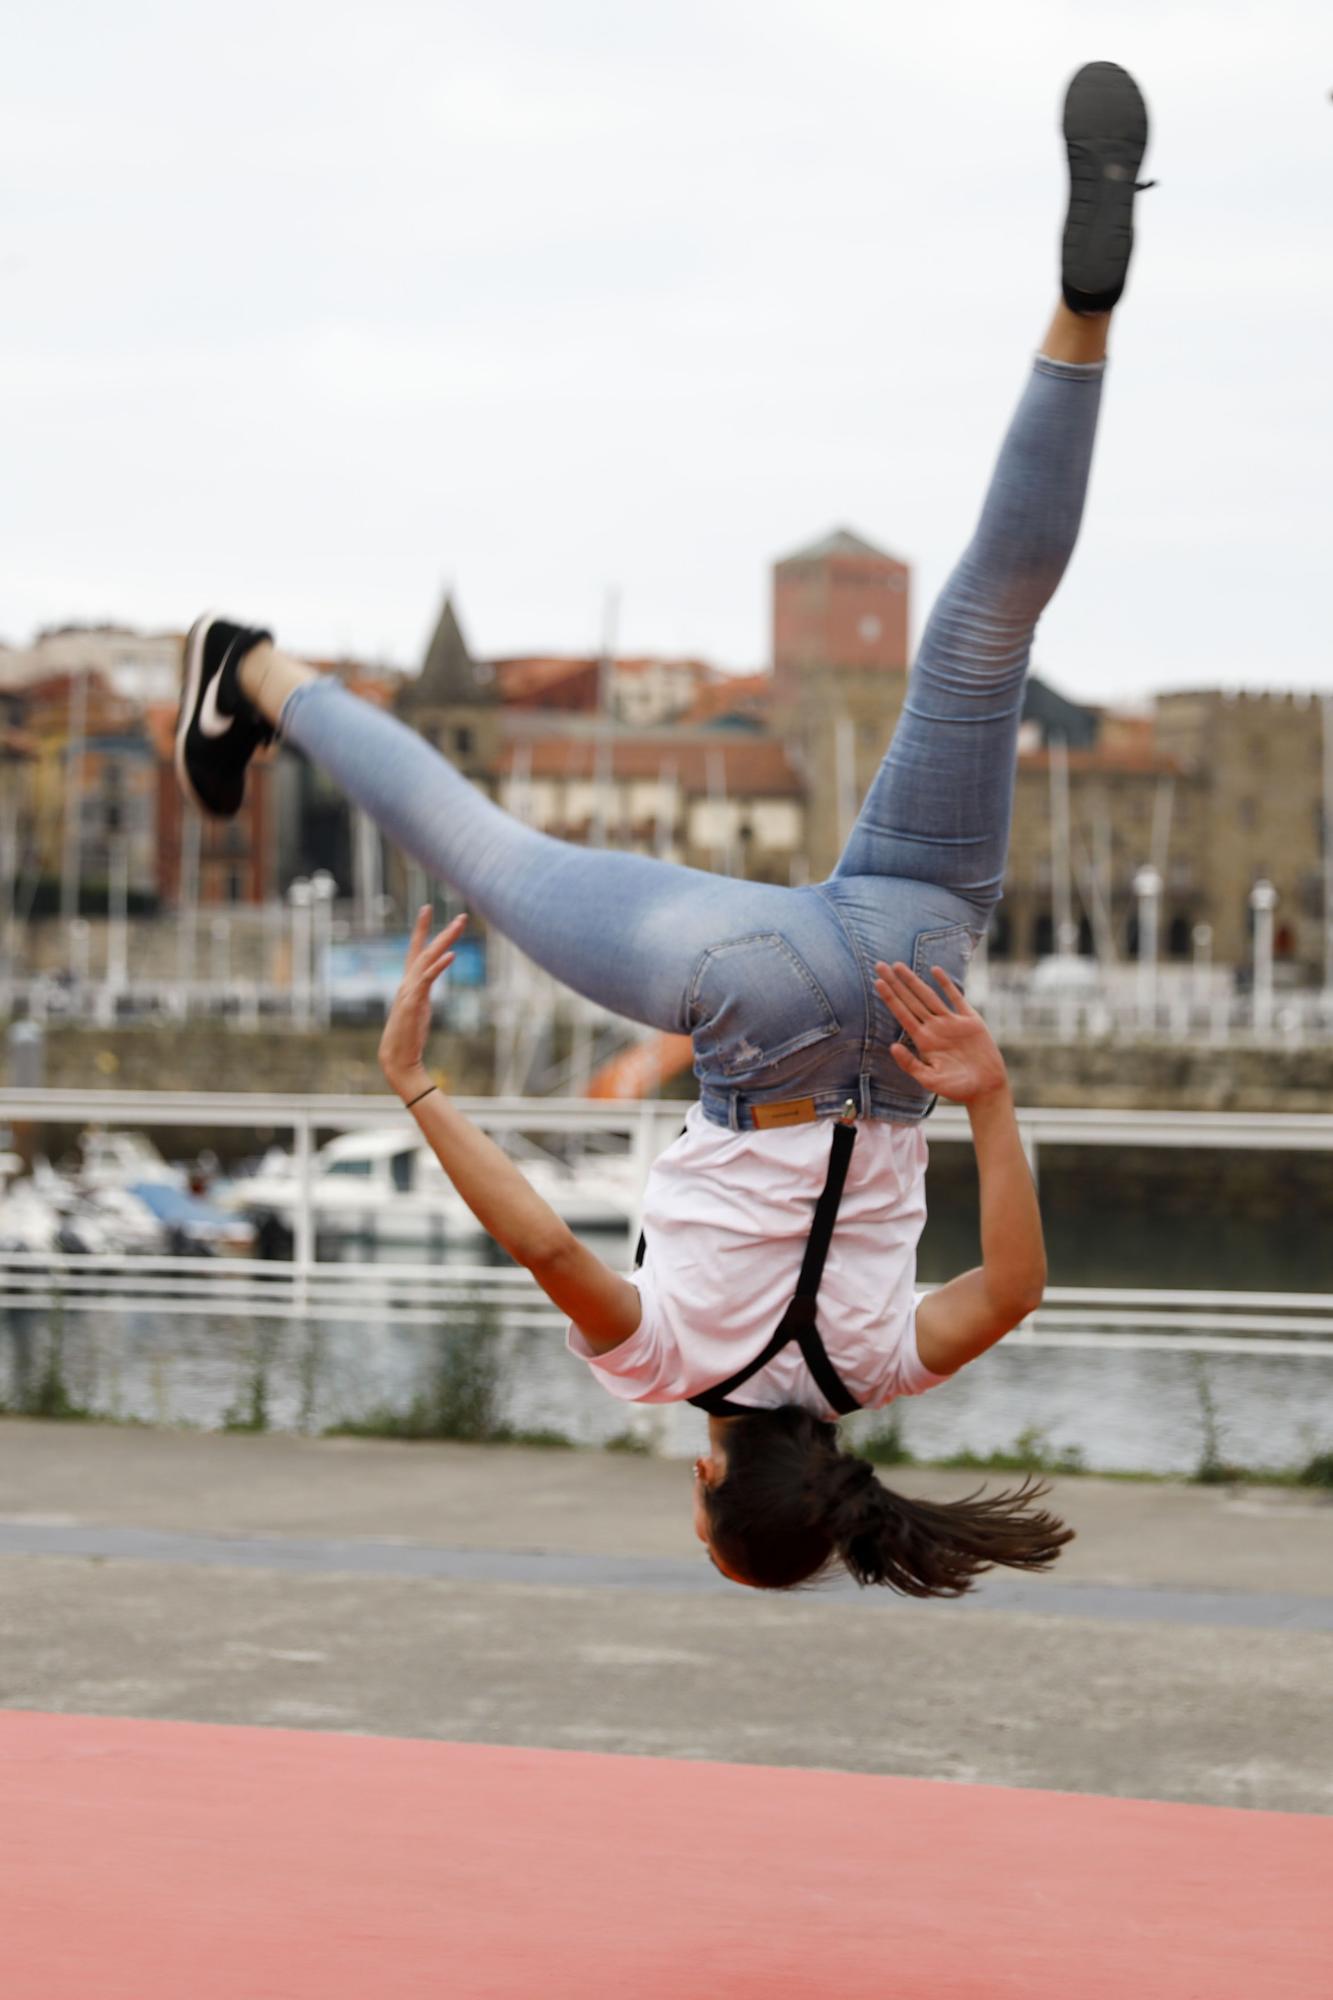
<point x="759" y="775"/>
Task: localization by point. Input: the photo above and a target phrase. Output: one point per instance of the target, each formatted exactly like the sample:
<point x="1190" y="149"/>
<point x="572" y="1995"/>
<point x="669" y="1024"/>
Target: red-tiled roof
<point x="527" y="670"/>
<point x="528" y="680"/>
<point x="837" y="543"/>
<point x="643" y="663"/>
<point x="748" y="766"/>
<point x="736" y="694"/>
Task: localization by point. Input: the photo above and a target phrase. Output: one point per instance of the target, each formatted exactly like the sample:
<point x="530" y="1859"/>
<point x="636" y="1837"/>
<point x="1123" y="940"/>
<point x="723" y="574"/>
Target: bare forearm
<point x="500" y="1197"/>
<point x="956" y="1055"/>
<point x="1013" y="1252"/>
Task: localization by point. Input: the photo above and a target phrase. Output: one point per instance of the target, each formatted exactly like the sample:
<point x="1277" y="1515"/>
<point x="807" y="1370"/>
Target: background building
<point x="1257" y="764"/>
<point x="840" y="656"/>
<point x="759" y="775"/>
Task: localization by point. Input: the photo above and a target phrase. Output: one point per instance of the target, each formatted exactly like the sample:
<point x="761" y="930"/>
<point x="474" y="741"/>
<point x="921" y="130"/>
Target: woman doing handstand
<point x="780" y="1230"/>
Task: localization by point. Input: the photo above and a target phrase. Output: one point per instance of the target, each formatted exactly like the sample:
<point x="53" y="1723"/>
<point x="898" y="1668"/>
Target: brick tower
<point x="840" y="647"/>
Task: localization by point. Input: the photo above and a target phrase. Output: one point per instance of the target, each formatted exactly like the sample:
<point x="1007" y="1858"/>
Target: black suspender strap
<point x="826" y="1212"/>
<point x="798" y="1322"/>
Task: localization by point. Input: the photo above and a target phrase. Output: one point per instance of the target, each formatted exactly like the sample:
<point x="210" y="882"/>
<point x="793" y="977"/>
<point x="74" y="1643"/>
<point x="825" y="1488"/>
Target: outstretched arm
<point x="956" y="1056"/>
<point x="604" y="1306"/>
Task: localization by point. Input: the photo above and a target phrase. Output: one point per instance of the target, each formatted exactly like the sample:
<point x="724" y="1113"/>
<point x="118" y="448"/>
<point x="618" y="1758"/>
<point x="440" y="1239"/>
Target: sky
<point x="314" y="312"/>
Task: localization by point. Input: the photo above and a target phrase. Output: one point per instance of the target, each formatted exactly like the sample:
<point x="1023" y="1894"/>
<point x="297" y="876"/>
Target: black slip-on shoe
<point x="218" y="731"/>
<point x="1106" y="135"/>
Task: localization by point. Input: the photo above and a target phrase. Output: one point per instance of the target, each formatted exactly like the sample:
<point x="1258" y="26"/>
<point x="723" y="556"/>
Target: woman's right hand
<point x="403" y="1043"/>
<point x="955" y="1053"/>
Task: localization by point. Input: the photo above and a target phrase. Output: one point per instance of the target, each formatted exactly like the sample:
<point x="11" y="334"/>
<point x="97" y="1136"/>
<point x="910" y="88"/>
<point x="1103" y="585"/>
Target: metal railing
<point x="1220" y="1010"/>
<point x="418" y="1292"/>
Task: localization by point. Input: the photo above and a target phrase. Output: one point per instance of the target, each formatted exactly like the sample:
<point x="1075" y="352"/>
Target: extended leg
<point x="939" y="807"/>
<point x="624" y="930"/>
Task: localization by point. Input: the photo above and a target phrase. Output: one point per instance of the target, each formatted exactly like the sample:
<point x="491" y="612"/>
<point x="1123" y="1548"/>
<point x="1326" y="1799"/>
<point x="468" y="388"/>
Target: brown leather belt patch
<point x="793" y="1111"/>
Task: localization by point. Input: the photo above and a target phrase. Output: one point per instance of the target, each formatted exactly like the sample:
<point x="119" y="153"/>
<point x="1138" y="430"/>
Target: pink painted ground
<point x="167" y="1861"/>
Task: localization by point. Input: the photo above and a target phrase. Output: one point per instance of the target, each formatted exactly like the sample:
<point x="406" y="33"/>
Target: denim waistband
<point x="735" y="1108"/>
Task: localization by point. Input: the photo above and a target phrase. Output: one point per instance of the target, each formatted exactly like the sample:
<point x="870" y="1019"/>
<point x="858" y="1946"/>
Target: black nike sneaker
<point x="1106" y="135"/>
<point x="218" y="730"/>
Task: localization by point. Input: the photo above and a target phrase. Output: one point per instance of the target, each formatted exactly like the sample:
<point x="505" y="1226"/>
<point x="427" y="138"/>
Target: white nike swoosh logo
<point x="211" y="723"/>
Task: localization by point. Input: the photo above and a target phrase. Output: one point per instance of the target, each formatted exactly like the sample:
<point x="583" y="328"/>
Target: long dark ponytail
<point x="792" y="1503"/>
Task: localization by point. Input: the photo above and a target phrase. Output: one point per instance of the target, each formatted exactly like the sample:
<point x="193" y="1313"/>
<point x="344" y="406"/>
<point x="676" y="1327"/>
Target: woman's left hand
<point x="956" y="1056"/>
<point x="403" y="1043"/>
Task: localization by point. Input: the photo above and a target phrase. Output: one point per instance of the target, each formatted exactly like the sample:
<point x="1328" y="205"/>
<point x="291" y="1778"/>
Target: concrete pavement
<point x="1182" y="1649"/>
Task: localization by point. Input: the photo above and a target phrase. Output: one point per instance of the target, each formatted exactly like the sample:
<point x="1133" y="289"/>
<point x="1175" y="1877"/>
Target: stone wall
<point x="341" y="1060"/>
<point x="1168" y="1076"/>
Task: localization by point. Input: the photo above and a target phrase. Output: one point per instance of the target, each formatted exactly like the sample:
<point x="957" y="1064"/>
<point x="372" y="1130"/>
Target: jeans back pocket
<point x="950" y="947"/>
<point x="754" y="1002"/>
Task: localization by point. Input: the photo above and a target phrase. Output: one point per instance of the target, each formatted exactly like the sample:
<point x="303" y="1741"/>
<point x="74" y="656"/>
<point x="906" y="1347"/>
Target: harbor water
<point x="1110" y="1410"/>
<point x="1228" y="1222"/>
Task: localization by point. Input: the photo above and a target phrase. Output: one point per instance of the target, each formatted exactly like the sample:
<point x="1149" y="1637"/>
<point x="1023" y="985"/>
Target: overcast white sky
<point x="314" y="309"/>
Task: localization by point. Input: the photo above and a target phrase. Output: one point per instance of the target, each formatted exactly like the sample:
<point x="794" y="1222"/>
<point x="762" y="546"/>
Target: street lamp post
<point x="324" y="889"/>
<point x="1063" y="927"/>
<point x="1202" y="938"/>
<point x="366" y="862"/>
<point x="978" y="972"/>
<point x="80" y="952"/>
<point x="1326" y="717"/>
<point x="1263" y="902"/>
<point x="220" y="932"/>
<point x="301" y="897"/>
<point x="9" y="868"/>
<point x="72" y="849"/>
<point x="188" y="909"/>
<point x="117" y="937"/>
<point x="1148" y="890"/>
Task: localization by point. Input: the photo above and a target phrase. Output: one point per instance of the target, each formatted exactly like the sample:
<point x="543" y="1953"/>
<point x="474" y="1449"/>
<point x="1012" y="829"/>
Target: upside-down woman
<point x="777" y="1286"/>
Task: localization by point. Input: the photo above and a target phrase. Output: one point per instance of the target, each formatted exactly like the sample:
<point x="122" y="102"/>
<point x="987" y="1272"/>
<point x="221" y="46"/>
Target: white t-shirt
<point x="726" y="1219"/>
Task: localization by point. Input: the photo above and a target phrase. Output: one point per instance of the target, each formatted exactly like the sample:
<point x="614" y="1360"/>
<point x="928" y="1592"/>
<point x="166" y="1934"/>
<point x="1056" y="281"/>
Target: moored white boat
<point x="385" y="1183"/>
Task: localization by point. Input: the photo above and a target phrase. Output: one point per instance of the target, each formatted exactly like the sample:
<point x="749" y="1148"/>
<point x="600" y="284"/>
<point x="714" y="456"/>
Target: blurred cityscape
<point x="1169" y="870"/>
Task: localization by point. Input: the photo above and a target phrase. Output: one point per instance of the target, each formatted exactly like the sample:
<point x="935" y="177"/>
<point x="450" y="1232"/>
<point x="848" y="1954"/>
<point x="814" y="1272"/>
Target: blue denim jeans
<point x="775" y="985"/>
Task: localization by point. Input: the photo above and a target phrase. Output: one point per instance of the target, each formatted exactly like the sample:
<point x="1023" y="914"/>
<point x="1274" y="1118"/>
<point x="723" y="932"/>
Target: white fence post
<point x="303" y="1232"/>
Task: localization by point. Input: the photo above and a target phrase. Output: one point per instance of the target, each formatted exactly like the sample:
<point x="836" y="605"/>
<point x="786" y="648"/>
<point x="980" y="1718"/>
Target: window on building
<point x="1043" y="936"/>
<point x="999" y="937"/>
<point x="463" y="742"/>
<point x="1179" y="938"/>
